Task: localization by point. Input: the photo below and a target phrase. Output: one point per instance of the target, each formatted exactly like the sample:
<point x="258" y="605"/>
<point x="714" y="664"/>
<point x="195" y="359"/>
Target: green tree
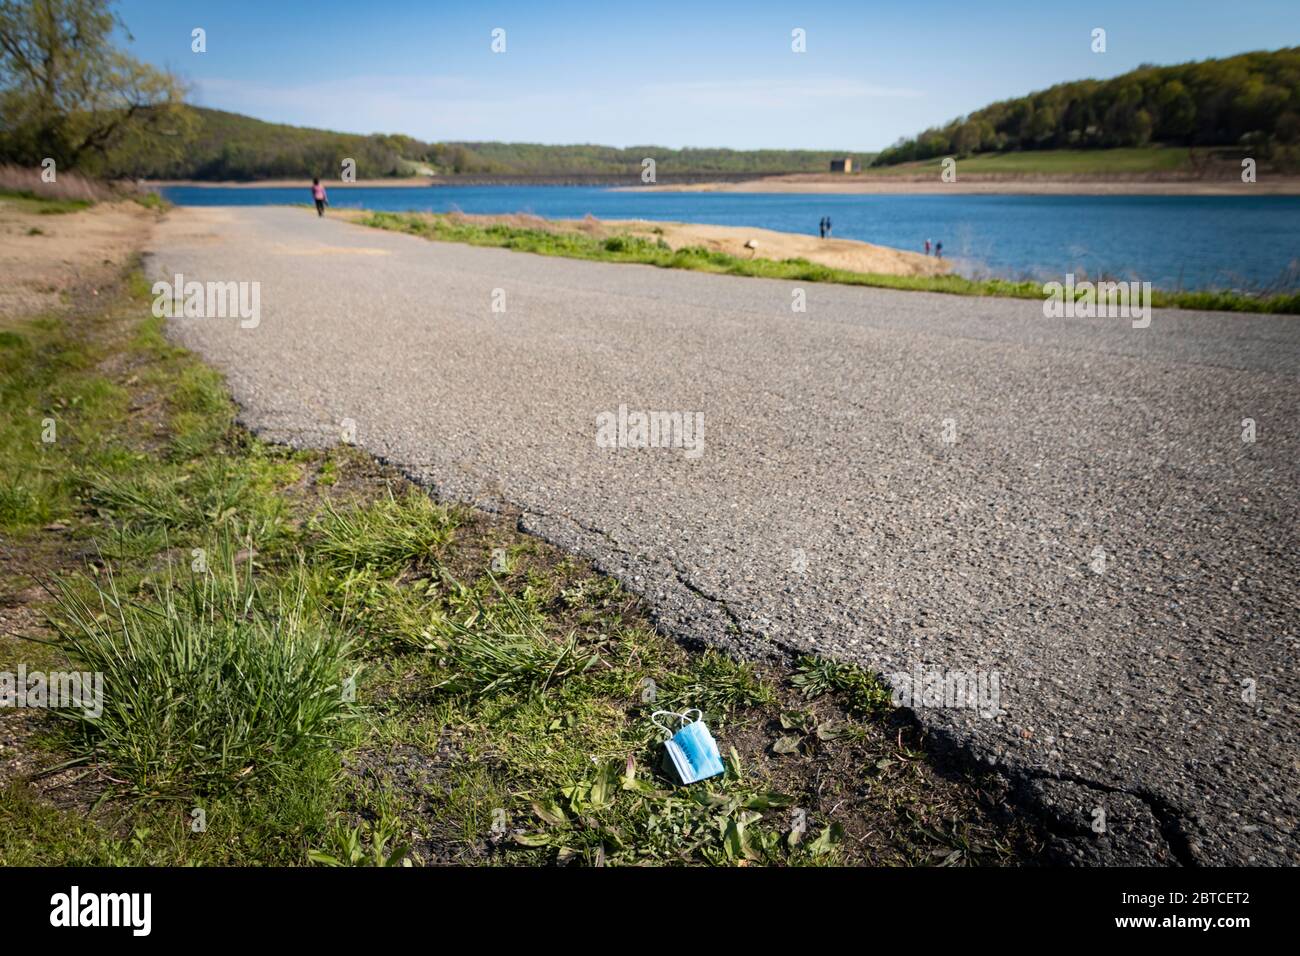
<point x="67" y="93"/>
<point x="1177" y="111"/>
<point x="967" y="139"/>
<point x="1042" y="125"/>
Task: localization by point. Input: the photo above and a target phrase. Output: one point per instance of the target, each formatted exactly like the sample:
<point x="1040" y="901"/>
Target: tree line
<point x="538" y="159"/>
<point x="230" y="146"/>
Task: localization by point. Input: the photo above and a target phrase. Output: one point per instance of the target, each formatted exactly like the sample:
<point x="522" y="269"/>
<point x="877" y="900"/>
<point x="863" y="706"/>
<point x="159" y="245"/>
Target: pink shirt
<point x="317" y="191"/>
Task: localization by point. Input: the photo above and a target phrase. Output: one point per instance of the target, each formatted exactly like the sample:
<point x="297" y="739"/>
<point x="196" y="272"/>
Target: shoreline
<point x="609" y="180"/>
<point x="817" y="184"/>
<point x="821" y="184"/>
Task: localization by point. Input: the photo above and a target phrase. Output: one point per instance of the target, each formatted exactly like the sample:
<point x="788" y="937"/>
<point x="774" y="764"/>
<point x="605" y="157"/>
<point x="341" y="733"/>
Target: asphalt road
<point x="909" y="481"/>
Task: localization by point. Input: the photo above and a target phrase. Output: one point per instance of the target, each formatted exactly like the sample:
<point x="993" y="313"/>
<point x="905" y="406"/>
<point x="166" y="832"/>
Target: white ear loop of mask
<point x="684" y="717"/>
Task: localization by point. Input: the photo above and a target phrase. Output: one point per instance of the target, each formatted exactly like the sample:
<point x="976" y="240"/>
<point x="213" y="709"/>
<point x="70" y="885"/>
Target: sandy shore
<point x="820" y="183"/>
<point x="768" y="244"/>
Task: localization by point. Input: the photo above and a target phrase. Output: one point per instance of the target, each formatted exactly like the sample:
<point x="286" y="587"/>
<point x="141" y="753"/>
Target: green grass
<point x="215" y="680"/>
<point x="30" y="202"/>
<point x="273" y="826"/>
<point x="503" y="646"/>
<point x="384" y="537"/>
<point x="635" y="249"/>
<point x="210" y="682"/>
<point x="152" y="200"/>
<point x="57" y="409"/>
<point x="1123" y="162"/>
<point x="36" y="833"/>
<point x="864" y="692"/>
<point x="320" y="664"/>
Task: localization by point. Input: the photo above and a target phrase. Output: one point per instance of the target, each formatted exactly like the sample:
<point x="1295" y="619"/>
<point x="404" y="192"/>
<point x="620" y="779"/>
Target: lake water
<point x="1187" y="242"/>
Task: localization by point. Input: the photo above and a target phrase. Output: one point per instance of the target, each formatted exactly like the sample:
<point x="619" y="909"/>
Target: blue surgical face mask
<point x="692" y="750"/>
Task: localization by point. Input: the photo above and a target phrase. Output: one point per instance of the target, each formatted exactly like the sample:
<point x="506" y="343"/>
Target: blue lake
<point x="1187" y="242"/>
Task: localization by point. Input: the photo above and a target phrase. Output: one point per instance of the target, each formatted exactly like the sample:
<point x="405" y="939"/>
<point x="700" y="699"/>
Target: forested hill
<point x="539" y="160"/>
<point x="225" y="145"/>
<point x="1251" y="100"/>
<point x="221" y="145"/>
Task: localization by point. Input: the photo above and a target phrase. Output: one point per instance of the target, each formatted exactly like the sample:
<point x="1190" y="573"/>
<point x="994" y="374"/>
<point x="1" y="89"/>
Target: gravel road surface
<point x="1064" y="513"/>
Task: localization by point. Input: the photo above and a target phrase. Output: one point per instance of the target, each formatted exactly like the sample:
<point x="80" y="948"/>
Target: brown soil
<point x="43" y="258"/>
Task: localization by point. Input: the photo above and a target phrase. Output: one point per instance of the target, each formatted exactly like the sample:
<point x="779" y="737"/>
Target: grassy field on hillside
<point x="1120" y="163"/>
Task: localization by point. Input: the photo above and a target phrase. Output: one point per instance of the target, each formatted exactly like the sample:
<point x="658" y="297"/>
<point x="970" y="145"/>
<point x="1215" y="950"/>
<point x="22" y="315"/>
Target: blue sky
<point x="669" y="73"/>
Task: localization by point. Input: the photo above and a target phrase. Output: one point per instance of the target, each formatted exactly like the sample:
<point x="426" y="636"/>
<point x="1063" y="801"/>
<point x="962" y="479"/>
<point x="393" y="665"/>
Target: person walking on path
<point x="927" y="247"/>
<point x="828" y="227"/>
<point x="938" y="249"/>
<point x="318" y="194"/>
<point x="821" y="227"/>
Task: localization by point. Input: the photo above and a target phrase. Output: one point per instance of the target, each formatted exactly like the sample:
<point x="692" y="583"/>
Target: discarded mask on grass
<point x="692" y="749"/>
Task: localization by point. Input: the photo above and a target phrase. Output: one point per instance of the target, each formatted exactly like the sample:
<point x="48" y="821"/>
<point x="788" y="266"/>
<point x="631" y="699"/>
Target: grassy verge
<point x="27" y="201"/>
<point x="308" y="661"/>
<point x="30" y="202"/>
<point x="578" y="245"/>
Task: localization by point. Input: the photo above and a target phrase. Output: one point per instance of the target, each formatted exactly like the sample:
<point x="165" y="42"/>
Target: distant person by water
<point x="821" y="227"/>
<point x="318" y="194"/>
<point x="938" y="249"/>
<point x="927" y="247"/>
<point x="828" y="227"/>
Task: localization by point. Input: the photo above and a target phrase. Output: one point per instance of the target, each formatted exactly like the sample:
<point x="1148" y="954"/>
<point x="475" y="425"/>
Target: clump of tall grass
<point x="208" y="682"/>
<point x="717" y="684"/>
<point x="221" y="494"/>
<point x="383" y="536"/>
<point x="503" y="646"/>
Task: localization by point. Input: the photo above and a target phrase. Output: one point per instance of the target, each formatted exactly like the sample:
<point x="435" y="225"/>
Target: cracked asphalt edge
<point x="1154" y="831"/>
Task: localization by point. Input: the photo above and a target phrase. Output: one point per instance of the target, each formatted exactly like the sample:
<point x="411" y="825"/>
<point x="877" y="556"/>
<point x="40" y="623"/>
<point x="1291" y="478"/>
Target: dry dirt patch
<point x="43" y="257"/>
